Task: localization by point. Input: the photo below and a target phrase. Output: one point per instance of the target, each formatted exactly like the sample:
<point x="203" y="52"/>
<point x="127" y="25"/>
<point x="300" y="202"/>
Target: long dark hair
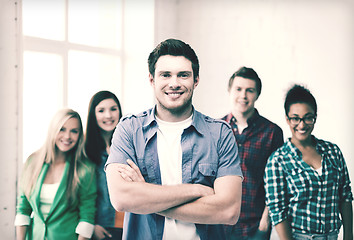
<point x="94" y="142"/>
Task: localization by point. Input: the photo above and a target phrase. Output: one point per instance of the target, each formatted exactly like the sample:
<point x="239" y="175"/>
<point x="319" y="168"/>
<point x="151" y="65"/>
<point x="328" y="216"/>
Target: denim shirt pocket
<point x="207" y="173"/>
<point x="143" y="169"/>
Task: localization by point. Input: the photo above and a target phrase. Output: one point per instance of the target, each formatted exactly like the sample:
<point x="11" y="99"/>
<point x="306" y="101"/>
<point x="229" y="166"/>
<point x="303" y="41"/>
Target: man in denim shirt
<point x="190" y="176"/>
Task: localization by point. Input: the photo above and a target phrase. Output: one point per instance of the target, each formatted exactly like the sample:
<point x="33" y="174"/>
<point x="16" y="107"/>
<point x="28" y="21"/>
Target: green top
<point x="63" y="218"/>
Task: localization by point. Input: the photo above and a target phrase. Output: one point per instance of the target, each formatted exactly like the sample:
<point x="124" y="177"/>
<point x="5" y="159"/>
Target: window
<point x="72" y="49"/>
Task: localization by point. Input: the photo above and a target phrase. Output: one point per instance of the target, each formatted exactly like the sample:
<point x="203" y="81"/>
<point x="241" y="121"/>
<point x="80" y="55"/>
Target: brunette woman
<point x="104" y="114"/>
<point x="306" y="180"/>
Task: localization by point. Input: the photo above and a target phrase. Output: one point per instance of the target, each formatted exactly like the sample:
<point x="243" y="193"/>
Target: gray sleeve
<point x="122" y="146"/>
<point x="229" y="160"/>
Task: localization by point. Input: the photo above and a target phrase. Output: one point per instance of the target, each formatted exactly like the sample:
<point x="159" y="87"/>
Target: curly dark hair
<point x="299" y="94"/>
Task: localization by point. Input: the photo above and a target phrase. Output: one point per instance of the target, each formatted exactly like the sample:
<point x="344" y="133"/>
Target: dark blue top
<point x="105" y="215"/>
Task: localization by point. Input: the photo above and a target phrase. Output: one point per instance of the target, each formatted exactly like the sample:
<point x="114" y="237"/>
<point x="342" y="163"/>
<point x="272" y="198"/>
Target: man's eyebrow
<point x="185" y="72"/>
<point x="162" y="71"/>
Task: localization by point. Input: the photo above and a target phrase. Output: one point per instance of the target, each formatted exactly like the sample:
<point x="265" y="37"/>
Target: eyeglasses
<point x="309" y="120"/>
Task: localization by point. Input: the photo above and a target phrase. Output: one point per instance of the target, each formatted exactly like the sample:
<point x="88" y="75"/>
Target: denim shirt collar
<point x="198" y="123"/>
<point x="150" y="126"/>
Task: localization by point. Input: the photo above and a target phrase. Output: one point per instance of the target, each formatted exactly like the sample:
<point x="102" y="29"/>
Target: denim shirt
<point x="105" y="215"/>
<point x="209" y="151"/>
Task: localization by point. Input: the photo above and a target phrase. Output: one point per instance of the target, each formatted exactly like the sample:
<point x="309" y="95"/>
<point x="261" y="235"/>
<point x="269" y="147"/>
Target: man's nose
<point x="243" y="94"/>
<point x="174" y="82"/>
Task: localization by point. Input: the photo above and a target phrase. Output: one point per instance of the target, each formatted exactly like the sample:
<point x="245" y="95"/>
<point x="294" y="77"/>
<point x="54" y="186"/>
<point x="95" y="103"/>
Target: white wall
<point x="308" y="42"/>
<point x="8" y="121"/>
<point x="138" y="43"/>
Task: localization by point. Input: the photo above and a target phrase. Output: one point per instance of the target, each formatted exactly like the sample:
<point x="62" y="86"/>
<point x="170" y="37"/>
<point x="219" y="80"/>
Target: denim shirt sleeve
<point x="229" y="160"/>
<point x="215" y="150"/>
<point x="122" y="145"/>
<point x="135" y="139"/>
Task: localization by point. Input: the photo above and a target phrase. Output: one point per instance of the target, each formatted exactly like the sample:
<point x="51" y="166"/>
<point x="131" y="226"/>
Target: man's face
<point x="243" y="94"/>
<point x="173" y="84"/>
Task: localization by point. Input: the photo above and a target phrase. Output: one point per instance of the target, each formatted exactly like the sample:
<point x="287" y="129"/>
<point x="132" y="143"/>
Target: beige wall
<point x="8" y="121"/>
<point x="308" y="42"/>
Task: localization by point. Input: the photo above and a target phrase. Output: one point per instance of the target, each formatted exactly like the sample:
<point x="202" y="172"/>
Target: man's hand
<point x="264" y="224"/>
<point x="259" y="235"/>
<point x="133" y="194"/>
<point x="130" y="172"/>
<point x="220" y="205"/>
<point x="100" y="233"/>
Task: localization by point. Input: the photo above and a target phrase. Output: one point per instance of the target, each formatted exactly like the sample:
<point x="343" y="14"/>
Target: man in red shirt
<point x="257" y="138"/>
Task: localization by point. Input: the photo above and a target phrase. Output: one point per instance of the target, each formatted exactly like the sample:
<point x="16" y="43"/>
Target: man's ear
<point x="196" y="82"/>
<point x="257" y="96"/>
<point x="151" y="79"/>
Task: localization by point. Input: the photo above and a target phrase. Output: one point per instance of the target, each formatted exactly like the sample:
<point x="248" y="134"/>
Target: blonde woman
<point x="58" y="186"/>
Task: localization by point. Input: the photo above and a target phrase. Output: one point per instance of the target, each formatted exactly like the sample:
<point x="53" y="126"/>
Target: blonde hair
<point x="47" y="153"/>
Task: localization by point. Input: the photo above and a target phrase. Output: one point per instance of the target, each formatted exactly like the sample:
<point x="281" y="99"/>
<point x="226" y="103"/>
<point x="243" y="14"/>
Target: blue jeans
<point x="258" y="235"/>
<point x="303" y="236"/>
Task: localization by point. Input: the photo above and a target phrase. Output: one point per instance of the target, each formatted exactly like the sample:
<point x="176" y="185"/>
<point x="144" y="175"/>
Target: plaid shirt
<point x="255" y="145"/>
<point x="295" y="191"/>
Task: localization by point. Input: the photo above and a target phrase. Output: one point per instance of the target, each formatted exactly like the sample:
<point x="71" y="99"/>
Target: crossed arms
<point x="186" y="202"/>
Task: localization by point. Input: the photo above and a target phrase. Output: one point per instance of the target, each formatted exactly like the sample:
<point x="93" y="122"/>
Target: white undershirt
<point x="319" y="170"/>
<point x="46" y="199"/>
<point x="47" y="195"/>
<point x="169" y="150"/>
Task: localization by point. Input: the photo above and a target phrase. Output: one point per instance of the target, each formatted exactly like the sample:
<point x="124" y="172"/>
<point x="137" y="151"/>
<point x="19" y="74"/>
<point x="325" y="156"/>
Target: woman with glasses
<point x="306" y="180"/>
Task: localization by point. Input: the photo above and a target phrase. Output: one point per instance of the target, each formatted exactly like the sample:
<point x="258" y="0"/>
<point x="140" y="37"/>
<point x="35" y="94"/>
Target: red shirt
<point x="255" y="145"/>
